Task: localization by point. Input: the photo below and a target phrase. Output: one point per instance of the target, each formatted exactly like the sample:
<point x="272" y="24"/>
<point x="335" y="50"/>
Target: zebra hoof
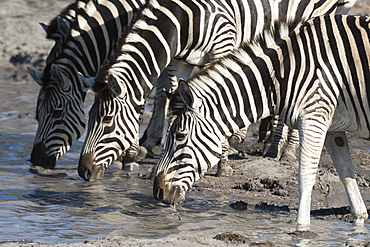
<point x="143" y="152"/>
<point x="288" y="157"/>
<point x="272" y="155"/>
<point x="224" y="172"/>
<point x="233" y="151"/>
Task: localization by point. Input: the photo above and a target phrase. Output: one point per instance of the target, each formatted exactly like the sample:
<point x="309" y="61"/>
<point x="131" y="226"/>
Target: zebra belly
<point x="346" y="118"/>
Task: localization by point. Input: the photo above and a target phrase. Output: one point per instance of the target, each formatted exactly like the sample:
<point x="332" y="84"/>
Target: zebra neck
<point x="149" y="46"/>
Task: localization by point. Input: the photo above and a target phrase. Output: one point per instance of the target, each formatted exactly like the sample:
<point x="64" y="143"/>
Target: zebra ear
<point x="36" y="75"/>
<point x="90" y="81"/>
<point x="63" y="26"/>
<point x="118" y="89"/>
<point x="61" y="77"/>
<point x="185" y="93"/>
<point x="45" y="27"/>
<point x="86" y="82"/>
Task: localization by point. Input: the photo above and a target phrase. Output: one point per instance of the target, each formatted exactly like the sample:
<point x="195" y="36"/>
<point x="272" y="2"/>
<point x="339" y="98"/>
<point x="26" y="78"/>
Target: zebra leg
<point x="337" y="146"/>
<point x="236" y="139"/>
<point x="311" y="138"/>
<point x="130" y="158"/>
<point x="154" y="132"/>
<point x="264" y="131"/>
<point x="223" y="167"/>
<point x="279" y="133"/>
<point x="290" y="149"/>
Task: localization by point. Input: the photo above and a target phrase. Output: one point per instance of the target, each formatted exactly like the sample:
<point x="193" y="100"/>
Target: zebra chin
<point x="87" y="168"/>
<point x="172" y="195"/>
<point x="40" y="157"/>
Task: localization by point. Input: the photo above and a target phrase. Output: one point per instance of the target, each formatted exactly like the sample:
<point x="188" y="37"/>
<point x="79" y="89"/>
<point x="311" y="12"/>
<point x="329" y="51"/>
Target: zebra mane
<point x="87" y="9"/>
<point x="101" y="78"/>
<point x="81" y="8"/>
<point x="68" y="11"/>
<point x="78" y="8"/>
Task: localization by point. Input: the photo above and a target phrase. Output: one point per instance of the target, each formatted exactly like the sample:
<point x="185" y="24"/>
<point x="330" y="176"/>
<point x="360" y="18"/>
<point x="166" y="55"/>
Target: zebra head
<point x="59" y="112"/>
<point x="192" y="147"/>
<point x="113" y="120"/>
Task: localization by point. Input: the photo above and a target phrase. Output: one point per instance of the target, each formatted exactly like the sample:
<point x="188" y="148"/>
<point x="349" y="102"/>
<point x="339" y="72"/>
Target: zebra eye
<point x="107" y="119"/>
<point x="57" y="112"/>
<point x="181" y="135"/>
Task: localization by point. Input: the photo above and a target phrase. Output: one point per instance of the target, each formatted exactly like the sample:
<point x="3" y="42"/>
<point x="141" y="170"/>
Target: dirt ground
<point x="22" y="42"/>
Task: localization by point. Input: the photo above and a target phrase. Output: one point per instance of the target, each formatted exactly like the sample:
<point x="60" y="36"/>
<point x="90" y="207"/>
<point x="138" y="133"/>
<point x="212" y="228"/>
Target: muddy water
<point x="57" y="206"/>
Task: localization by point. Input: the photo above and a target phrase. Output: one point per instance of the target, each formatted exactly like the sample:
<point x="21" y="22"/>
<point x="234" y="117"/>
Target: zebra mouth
<point x="169" y="195"/>
<point x="88" y="170"/>
<point x="39" y="156"/>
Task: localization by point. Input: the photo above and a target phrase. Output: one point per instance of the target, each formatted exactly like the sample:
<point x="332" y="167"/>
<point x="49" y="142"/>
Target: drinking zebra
<point x="88" y="32"/>
<point x="315" y="75"/>
<point x="183" y="35"/>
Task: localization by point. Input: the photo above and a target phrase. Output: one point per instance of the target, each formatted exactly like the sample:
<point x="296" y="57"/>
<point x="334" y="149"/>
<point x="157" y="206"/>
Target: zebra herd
<point x="222" y="65"/>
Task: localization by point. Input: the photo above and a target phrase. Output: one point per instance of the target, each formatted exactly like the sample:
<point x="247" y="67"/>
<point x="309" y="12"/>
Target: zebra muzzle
<point x="39" y="156"/>
<point x="88" y="170"/>
<point x="172" y="195"/>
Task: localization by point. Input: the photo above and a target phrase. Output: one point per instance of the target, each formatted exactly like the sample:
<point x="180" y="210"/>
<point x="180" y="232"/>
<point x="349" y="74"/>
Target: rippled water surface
<point x="58" y="206"/>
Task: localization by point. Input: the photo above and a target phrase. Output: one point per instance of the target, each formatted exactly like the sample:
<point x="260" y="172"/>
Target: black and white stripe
<point x="183" y="35"/>
<point x="315" y="76"/>
<point x="94" y="30"/>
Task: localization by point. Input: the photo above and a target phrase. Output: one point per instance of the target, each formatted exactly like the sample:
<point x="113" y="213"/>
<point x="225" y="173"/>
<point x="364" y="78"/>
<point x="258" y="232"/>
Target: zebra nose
<point x="169" y="196"/>
<point x="87" y="170"/>
<point x="39" y="156"/>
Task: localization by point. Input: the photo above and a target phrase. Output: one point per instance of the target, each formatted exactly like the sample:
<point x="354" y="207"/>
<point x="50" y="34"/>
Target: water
<point x="58" y="206"/>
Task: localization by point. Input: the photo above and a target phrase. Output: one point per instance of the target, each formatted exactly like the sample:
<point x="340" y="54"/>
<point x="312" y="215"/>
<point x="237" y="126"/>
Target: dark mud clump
<point x="232" y="238"/>
<point x="271" y="207"/>
<point x="239" y="205"/>
<point x="264" y="184"/>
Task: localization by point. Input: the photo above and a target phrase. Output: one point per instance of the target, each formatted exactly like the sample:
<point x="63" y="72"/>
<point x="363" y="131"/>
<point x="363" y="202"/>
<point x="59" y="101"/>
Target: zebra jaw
<point x="172" y="195"/>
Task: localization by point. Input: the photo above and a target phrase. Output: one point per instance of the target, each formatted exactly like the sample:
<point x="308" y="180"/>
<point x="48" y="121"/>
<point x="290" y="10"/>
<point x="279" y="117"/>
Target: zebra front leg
<point x="154" y="132"/>
<point x="271" y="135"/>
<point x="130" y="158"/>
<point x="290" y="149"/>
<point x="234" y="140"/>
<point x="311" y="138"/>
<point x="223" y="167"/>
<point x="337" y="146"/>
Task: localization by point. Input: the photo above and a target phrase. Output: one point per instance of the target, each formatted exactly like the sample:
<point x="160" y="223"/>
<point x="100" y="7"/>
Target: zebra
<point x="183" y="44"/>
<point x="315" y="75"/>
<point x="87" y="33"/>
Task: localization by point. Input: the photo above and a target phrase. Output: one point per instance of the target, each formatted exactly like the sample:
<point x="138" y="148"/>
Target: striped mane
<point x="64" y="14"/>
<point x="101" y="78"/>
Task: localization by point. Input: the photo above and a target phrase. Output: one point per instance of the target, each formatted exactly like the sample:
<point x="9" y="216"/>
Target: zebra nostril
<point x="159" y="189"/>
<point x="87" y="168"/>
